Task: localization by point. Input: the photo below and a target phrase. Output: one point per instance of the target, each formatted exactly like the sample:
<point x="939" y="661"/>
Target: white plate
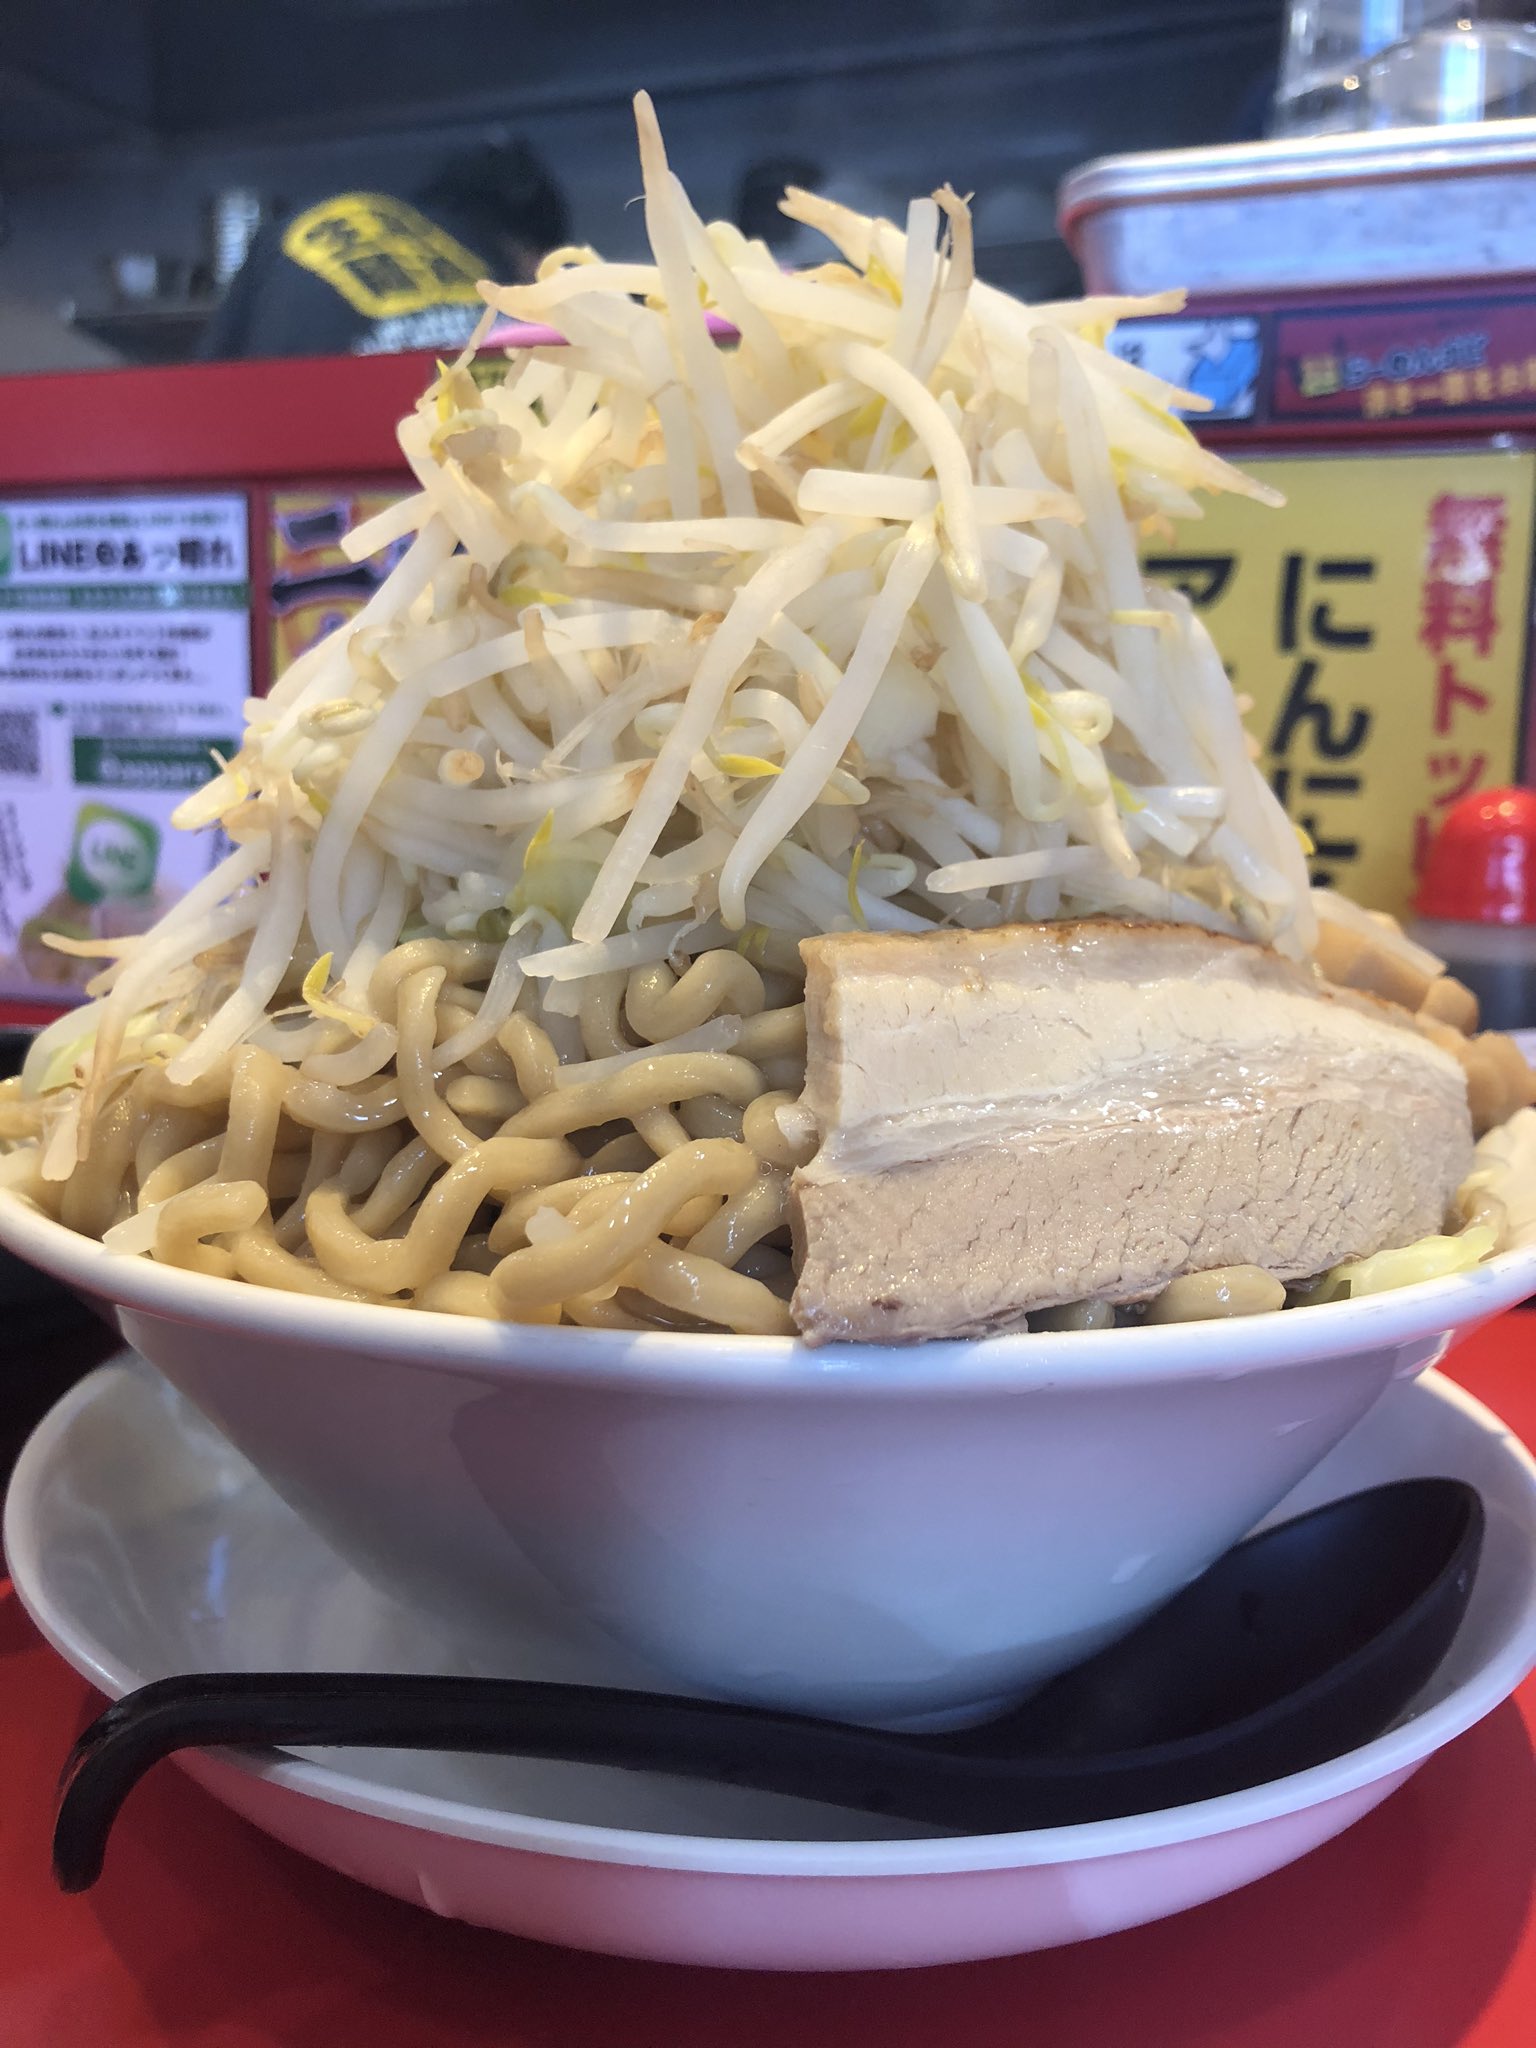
<point x="142" y="1545"/>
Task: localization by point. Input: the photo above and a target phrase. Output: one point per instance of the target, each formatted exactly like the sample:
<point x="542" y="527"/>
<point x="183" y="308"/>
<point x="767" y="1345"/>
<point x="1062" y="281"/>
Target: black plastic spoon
<point x="1297" y="1646"/>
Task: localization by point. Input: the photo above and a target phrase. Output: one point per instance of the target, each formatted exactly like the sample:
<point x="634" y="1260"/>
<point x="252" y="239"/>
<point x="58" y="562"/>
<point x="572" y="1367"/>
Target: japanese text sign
<point x="1379" y="623"/>
<point x="122" y="553"/>
<point x="1393" y="362"/>
<point x="125" y="659"/>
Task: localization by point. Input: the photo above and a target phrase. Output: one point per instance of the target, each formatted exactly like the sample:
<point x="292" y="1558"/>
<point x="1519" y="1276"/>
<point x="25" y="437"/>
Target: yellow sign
<point x="313" y="587"/>
<point x="383" y="256"/>
<point x="1379" y="624"/>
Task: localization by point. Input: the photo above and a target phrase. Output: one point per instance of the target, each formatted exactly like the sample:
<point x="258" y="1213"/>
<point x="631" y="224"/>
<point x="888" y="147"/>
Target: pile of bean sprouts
<point x="695" y="650"/>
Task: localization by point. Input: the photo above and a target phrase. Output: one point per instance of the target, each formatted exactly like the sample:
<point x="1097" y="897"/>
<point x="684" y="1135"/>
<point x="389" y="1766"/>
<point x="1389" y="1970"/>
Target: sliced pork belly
<point x="1015" y="1119"/>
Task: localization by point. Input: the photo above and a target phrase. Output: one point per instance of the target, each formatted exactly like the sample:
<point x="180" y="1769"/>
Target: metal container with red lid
<point x="1386" y="206"/>
<point x="1476" y="902"/>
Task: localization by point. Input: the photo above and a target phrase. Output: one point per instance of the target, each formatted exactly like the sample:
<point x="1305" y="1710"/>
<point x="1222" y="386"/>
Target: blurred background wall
<point x="121" y="121"/>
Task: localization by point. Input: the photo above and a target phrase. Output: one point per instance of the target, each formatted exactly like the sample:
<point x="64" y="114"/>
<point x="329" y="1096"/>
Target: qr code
<point x="21" y="746"/>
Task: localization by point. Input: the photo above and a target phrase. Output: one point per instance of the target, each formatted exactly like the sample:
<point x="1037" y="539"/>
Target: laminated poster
<point x="125" y="659"/>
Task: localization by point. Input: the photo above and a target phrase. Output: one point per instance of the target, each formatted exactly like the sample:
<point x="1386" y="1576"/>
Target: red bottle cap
<point x="1482" y="863"/>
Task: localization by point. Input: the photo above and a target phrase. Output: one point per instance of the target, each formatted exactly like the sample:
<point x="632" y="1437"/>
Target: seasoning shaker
<point x="1476" y="903"/>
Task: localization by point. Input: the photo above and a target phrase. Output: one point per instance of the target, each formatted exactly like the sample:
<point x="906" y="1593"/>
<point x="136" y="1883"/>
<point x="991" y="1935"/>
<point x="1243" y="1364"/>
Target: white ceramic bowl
<point x="874" y="1533"/>
<point x="142" y="1545"/>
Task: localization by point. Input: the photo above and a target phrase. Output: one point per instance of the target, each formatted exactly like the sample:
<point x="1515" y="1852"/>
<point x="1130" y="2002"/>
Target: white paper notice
<point x="125" y="660"/>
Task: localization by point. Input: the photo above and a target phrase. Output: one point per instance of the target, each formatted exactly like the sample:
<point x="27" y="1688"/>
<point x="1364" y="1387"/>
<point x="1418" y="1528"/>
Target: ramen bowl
<point x="888" y="1535"/>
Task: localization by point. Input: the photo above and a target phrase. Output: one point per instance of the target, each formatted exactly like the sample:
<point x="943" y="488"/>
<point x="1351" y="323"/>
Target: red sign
<point x="1462" y="561"/>
<point x="1463" y="554"/>
<point x="1461" y="357"/>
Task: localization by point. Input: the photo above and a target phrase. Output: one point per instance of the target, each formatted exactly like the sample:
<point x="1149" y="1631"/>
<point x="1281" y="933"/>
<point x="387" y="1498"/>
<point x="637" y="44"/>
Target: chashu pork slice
<point x="1015" y="1119"/>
